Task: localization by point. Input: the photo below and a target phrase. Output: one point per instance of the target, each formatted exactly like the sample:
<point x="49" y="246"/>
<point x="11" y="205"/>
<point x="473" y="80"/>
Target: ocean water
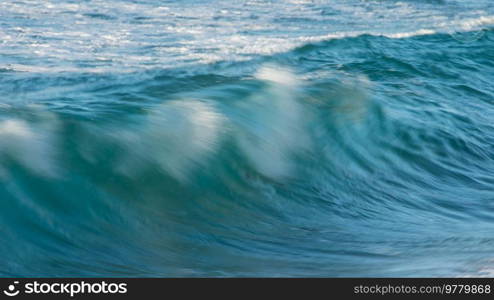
<point x="247" y="138"/>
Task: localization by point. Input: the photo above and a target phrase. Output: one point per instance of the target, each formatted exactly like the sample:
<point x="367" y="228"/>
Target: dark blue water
<point x="246" y="138"/>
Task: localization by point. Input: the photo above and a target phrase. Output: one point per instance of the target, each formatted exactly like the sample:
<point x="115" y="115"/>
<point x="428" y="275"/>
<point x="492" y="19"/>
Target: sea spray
<point x="30" y="141"/>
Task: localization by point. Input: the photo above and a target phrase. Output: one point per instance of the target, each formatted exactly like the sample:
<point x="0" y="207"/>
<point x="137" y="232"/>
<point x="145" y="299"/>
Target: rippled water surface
<point x="247" y="138"/>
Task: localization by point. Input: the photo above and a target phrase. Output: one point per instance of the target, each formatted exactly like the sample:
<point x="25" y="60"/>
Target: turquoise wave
<point x="359" y="156"/>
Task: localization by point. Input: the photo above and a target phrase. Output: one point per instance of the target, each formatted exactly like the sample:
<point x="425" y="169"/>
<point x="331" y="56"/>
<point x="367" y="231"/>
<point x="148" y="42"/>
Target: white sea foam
<point x="182" y="134"/>
<point x="401" y="35"/>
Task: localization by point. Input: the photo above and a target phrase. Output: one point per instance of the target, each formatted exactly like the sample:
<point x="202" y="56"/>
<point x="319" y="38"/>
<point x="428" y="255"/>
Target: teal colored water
<point x="246" y="138"/>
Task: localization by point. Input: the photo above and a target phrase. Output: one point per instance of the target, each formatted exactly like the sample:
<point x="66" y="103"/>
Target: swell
<point x="358" y="152"/>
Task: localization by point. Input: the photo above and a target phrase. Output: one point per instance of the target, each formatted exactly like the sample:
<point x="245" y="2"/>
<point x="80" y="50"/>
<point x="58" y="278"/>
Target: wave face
<point x="290" y="138"/>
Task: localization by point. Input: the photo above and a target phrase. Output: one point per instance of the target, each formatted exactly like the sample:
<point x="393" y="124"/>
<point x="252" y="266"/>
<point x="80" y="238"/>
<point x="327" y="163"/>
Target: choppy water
<point x="246" y="138"/>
